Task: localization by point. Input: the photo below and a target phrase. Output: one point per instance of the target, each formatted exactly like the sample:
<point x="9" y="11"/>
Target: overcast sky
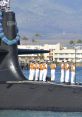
<point x="48" y="17"/>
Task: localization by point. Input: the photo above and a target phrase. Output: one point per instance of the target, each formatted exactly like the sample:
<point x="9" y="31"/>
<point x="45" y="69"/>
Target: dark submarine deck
<point x="35" y="95"/>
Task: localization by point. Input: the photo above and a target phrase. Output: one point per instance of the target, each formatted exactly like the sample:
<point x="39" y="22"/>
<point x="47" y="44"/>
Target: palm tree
<point x="25" y="39"/>
<point x="79" y="41"/>
<point x="71" y="42"/>
<point x="37" y="36"/>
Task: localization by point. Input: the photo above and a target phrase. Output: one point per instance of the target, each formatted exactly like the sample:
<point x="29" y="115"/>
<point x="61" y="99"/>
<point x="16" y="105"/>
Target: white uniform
<point x="73" y="74"/>
<point x="36" y="71"/>
<point x="44" y="71"/>
<point x="52" y="74"/>
<point x="31" y="74"/>
<point x="67" y="73"/>
<point x="53" y="67"/>
<point x="41" y="71"/>
<point x="32" y="71"/>
<point x="67" y="76"/>
<point x="62" y="72"/>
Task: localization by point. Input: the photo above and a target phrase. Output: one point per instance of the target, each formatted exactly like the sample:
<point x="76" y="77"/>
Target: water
<point x="26" y="113"/>
<point x="17" y="113"/>
<point x="58" y="73"/>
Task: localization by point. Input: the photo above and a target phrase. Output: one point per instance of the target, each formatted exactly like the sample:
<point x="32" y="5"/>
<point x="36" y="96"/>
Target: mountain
<point x="50" y="18"/>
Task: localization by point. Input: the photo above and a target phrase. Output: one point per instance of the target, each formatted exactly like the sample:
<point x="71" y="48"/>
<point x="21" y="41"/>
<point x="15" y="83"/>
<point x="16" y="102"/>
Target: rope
<point x="3" y="37"/>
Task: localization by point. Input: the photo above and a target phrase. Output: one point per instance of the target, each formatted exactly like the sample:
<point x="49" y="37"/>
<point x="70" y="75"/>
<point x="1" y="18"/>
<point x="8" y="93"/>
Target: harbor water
<point x="17" y="113"/>
<point x="26" y="113"/>
<point x="58" y="73"/>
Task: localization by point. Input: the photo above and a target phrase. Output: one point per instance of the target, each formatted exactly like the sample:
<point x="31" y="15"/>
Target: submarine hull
<point x="41" y="96"/>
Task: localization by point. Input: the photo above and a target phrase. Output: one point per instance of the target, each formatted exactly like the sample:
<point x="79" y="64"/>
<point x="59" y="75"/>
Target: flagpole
<point x="75" y="65"/>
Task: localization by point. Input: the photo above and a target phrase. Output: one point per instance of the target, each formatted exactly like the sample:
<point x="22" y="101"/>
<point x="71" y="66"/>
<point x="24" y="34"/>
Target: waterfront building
<point x="71" y="55"/>
<point x="57" y="53"/>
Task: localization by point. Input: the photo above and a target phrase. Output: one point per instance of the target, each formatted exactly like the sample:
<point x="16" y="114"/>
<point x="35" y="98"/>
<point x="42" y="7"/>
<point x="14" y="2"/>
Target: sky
<point x="49" y="18"/>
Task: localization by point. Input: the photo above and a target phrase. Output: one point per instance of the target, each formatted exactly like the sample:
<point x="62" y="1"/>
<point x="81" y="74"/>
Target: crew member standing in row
<point x="36" y="71"/>
<point x="53" y="67"/>
<point x="44" y="71"/>
<point x="67" y="68"/>
<point x="41" y="71"/>
<point x="73" y="73"/>
<point x="62" y="80"/>
<point x="32" y="70"/>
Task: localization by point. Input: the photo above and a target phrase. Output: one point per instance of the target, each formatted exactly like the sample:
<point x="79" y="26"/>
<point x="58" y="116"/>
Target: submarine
<point x="18" y="93"/>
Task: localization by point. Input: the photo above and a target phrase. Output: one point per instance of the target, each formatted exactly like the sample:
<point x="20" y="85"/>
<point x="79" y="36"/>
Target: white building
<point x="57" y="53"/>
<point x="68" y="54"/>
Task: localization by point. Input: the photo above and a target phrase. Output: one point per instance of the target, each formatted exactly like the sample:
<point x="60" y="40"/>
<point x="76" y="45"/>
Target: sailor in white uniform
<point x="53" y="67"/>
<point x="73" y="73"/>
<point x="32" y="71"/>
<point x="67" y="69"/>
<point x="44" y="71"/>
<point x="41" y="71"/>
<point x="36" y="71"/>
<point x="62" y="80"/>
